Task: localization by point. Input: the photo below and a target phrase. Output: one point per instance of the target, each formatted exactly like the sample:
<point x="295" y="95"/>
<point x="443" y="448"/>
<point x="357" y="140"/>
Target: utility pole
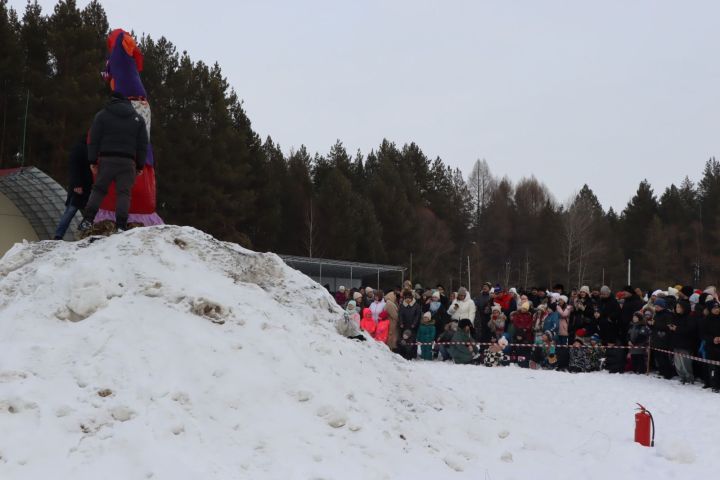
<point x="629" y="270"/>
<point x="469" y="285"/>
<point x="411" y="275"/>
<point x="27" y="105"/>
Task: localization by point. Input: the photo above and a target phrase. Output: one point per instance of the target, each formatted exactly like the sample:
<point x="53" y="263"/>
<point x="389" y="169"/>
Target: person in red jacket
<point x="383" y="327"/>
<point x="522" y="321"/>
<point x="368" y="323"/>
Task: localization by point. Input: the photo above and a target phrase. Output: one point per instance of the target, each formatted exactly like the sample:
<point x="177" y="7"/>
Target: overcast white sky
<point x="606" y="92"/>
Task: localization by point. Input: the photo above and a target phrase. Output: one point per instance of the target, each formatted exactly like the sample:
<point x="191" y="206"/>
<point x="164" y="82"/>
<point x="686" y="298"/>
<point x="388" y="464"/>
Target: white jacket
<point x="466" y="309"/>
<point x="376" y="308"/>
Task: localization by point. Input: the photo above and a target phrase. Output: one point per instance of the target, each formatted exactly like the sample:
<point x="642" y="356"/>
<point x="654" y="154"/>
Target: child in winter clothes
<point x="544" y="354"/>
<point x="349" y="324"/>
<point x="382" y="329"/>
<point x="494" y="356"/>
<point x="497" y="322"/>
<point x="596" y="353"/>
<point x="406" y="346"/>
<point x="579" y="357"/>
<point x="564" y="311"/>
<point x="426" y="334"/>
<point x="368" y="322"/>
<point x="638" y="335"/>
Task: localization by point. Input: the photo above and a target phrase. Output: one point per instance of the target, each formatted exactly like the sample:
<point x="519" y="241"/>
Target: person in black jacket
<point x="684" y="340"/>
<point x="660" y="338"/>
<point x="410" y="313"/>
<point x="80" y="184"/>
<point x="632" y="303"/>
<point x="609" y="316"/>
<point x="483" y="305"/>
<point x="711" y="335"/>
<point x="116" y="152"/>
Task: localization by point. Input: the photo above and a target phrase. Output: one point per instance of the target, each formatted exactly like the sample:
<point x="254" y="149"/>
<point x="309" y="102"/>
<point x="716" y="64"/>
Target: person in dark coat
<point x="638" y="338"/>
<point x="117" y="149"/>
<point x="463" y="349"/>
<point x="80" y="185"/>
<point x="711" y="334"/>
<point x="684" y="339"/>
<point x="632" y="303"/>
<point x="483" y="305"/>
<point x="609" y="316"/>
<point x="438" y="313"/>
<point x="410" y="313"/>
<point x="660" y="338"/>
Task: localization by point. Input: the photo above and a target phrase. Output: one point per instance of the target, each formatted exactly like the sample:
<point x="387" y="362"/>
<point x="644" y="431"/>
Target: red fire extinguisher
<point x="644" y="423"/>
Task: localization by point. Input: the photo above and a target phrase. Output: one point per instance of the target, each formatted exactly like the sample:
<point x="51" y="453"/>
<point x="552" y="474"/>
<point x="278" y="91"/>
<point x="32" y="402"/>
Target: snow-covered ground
<point x="163" y="353"/>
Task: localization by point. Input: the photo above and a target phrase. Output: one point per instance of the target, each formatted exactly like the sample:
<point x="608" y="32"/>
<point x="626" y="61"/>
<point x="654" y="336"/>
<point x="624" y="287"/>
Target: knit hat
<point x="351" y="304"/>
<point x="427" y="315"/>
<point x="462" y="291"/>
<point x="341" y="288"/>
<point x="660" y="302"/>
<point x="595" y="338"/>
<point x="496" y="308"/>
<point x="580" y="332"/>
<point x="694" y="298"/>
<point x="368" y="290"/>
<point x="585" y="289"/>
<point x="357" y="296"/>
<point x="563" y="298"/>
<point x="436" y="294"/>
<point x="418" y="286"/>
<point x="503" y="342"/>
<point x="513" y="290"/>
<point x="605" y="290"/>
<point x="673" y="292"/>
<point x="657" y="292"/>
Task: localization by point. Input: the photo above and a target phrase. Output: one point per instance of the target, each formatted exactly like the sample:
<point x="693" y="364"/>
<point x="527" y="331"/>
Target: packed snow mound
<point x="164" y="353"/>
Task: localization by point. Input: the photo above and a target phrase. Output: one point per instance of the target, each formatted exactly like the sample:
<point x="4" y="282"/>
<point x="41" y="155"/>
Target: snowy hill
<point x="163" y="353"/>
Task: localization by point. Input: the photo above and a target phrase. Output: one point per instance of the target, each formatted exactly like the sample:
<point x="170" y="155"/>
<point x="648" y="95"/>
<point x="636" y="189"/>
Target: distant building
<point x="31" y="204"/>
<point x="335" y="273"/>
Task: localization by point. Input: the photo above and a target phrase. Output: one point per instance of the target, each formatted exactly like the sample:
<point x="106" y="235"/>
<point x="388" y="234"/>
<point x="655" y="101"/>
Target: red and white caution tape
<point x="697" y="359"/>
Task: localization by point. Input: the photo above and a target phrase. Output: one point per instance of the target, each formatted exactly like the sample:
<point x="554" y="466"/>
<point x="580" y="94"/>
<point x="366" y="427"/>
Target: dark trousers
<point x="122" y="172"/>
<point x="639" y="362"/>
<point x="664" y="365"/>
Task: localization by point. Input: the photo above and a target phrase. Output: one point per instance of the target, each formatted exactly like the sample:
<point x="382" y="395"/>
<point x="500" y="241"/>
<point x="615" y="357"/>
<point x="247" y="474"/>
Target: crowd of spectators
<point x="669" y="331"/>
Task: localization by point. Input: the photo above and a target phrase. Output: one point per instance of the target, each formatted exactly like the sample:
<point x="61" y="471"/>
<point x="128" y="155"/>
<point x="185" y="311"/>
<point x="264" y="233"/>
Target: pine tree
<point x="11" y="60"/>
<point x="635" y="221"/>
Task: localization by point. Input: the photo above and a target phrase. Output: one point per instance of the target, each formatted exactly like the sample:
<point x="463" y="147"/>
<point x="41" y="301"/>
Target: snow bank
<point x="164" y="353"/>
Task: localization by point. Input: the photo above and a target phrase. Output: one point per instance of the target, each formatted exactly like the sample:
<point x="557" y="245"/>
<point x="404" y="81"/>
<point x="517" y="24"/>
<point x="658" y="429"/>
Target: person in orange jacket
<point x="383" y="327"/>
<point x="368" y="323"/>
